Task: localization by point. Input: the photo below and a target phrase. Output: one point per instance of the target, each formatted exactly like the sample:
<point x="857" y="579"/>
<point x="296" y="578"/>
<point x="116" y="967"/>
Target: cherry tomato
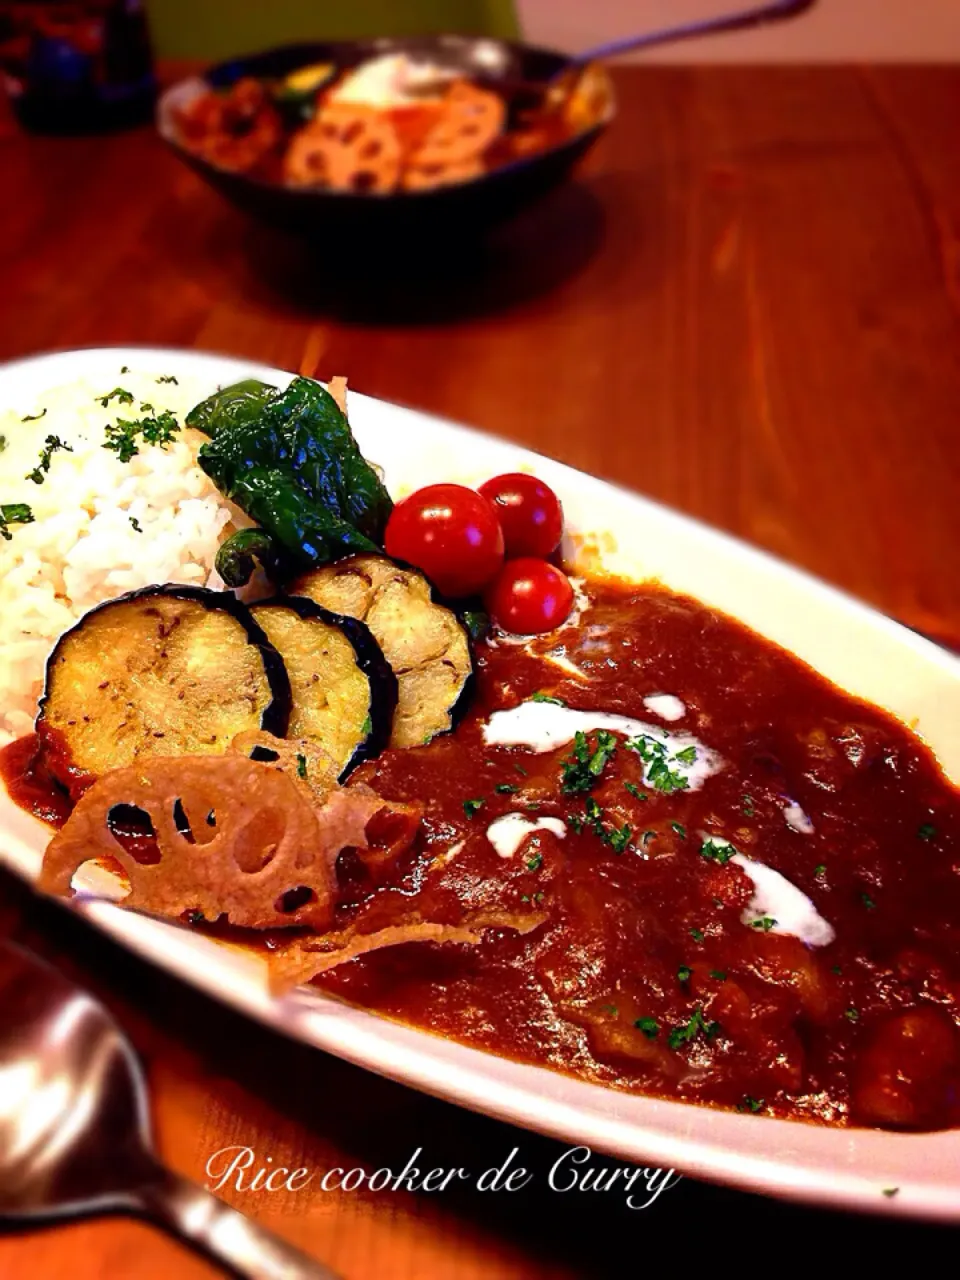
<point x="529" y="596"/>
<point x="451" y="533"/>
<point x="529" y="511"/>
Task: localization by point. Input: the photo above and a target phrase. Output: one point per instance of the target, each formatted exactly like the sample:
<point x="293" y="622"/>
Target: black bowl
<point x="447" y="211"/>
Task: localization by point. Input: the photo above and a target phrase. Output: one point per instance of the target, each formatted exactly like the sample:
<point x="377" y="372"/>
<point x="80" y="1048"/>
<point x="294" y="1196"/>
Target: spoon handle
<point x="189" y="1212"/>
<point x="758" y="15"/>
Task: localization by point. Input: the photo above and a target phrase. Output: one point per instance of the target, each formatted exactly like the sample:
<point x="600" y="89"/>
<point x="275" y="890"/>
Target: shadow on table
<point x="449" y="277"/>
<point x="381" y="1124"/>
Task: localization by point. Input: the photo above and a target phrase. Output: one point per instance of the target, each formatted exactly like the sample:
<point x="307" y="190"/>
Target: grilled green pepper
<point x="289" y="460"/>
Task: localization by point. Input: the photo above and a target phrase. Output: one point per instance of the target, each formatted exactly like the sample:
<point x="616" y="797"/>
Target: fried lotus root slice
<point x="423" y="641"/>
<point x="236" y="839"/>
<point x="472" y="119"/>
<point x="307" y="958"/>
<point x="233" y="129"/>
<point x="297" y="757"/>
<point x="349" y="148"/>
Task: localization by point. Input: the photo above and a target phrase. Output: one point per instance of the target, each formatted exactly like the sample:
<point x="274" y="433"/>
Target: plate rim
<point x="831" y="1177"/>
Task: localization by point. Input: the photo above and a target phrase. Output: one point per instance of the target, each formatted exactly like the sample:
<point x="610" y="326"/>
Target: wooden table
<point x="749" y="308"/>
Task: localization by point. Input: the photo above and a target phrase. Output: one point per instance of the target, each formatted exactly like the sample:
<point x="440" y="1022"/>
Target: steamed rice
<point x="84" y="546"/>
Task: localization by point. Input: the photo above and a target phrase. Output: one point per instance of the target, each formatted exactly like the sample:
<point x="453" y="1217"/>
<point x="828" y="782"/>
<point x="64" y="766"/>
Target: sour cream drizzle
<point x="544" y="726"/>
<point x="508" y="833"/>
<point x="777" y="898"/>
<point x="796" y="819"/>
<point x="665" y="705"/>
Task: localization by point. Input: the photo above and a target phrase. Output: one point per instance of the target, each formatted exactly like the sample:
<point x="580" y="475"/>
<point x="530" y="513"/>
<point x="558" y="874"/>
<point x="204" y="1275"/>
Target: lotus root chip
<point x="346" y="147"/>
<point x="472" y="119"/>
<point x="265" y="855"/>
<point x="297" y="757"/>
<point x="306" y="958"/>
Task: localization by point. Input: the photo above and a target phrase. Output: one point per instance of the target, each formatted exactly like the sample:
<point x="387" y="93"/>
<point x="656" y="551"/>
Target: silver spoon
<point x="565" y="80"/>
<point x="75" y="1129"/>
<point x="757" y="15"/>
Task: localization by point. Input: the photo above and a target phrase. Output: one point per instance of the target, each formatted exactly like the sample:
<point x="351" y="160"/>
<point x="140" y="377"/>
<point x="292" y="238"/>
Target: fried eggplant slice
<point x="424" y="642"/>
<point x="168" y="671"/>
<point x="343" y="689"/>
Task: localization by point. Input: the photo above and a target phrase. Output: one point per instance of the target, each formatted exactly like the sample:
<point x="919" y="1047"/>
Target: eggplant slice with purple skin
<point x="344" y="692"/>
<point x="165" y="671"/>
<point x="424" y="642"/>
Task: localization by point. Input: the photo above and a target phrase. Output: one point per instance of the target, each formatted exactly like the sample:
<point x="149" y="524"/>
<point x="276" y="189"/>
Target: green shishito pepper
<point x="289" y="460"/>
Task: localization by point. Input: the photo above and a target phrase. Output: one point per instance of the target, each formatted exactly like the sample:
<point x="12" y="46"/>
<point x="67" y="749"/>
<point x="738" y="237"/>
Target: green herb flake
<point x="121" y="437"/>
<point x="33" y="417"/>
<point x="13" y="513"/>
<point x="687" y="756"/>
<point x="301" y="766"/>
<point x="470" y="807"/>
<point x="649" y="1026"/>
<point x="766" y="923"/>
<point x="746" y="804"/>
<point x="618" y="837"/>
<point x="890" y="1192"/>
<point x="719" y="974"/>
<point x="684" y="973"/>
<point x="820" y="870"/>
<point x="750" y="1104"/>
<point x="137" y="528"/>
<point x="697" y="935"/>
<point x="835" y="968"/>
<point x="506" y="789"/>
<point x="867" y="901"/>
<point x="697" y="1025"/>
<point x="680" y="829"/>
<point x="125" y="368"/>
<point x="367" y="727"/>
<point x="119" y="394"/>
<point x="51" y="445"/>
<point x="612" y="1009"/>
<point x="658" y="763"/>
<point x="580" y="771"/>
<point x="635" y="791"/>
<point x="547" y="697"/>
<point x="521" y="770"/>
<point x="166" y="377"/>
<point x="852" y="1015"/>
<point x="477" y="623"/>
<point x="926" y="831"/>
<point x="717" y="850"/>
<point x="535" y="863"/>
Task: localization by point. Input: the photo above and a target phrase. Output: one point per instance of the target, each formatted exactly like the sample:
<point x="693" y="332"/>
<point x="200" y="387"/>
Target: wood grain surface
<point x="748" y="306"/>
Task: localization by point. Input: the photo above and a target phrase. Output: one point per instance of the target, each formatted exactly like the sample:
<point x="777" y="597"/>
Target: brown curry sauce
<point x="645" y="977"/>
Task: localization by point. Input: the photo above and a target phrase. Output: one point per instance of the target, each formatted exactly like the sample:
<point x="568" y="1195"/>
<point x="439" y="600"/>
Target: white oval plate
<point x="855" y="647"/>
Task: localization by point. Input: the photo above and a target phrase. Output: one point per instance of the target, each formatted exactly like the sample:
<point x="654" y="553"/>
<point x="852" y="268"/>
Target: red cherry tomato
<point x="529" y="596"/>
<point x="451" y="533"/>
<point x="529" y="511"/>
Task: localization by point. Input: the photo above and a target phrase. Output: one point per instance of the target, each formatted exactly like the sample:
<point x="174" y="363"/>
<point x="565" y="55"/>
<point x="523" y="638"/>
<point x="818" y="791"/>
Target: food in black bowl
<point x="392" y="135"/>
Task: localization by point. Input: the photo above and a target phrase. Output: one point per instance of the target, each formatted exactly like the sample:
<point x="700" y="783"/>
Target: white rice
<point x="83" y="547"/>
